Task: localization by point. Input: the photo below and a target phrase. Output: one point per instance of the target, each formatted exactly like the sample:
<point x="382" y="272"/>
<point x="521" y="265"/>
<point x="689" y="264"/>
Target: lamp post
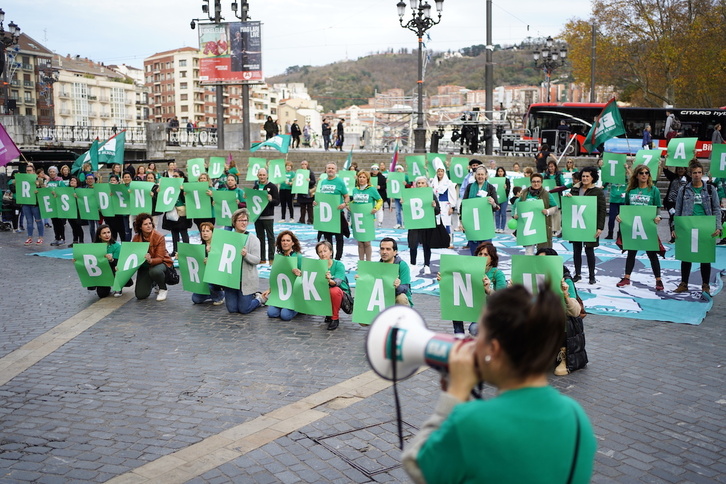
<point x="242" y="15"/>
<point x="419" y="23"/>
<point x="48" y="76"/>
<point x="7" y="39"/>
<point x="549" y="57"/>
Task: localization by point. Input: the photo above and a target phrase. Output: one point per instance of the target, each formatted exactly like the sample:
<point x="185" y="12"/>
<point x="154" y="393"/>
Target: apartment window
<point x="182" y="62"/>
<point x="28" y="111"/>
<point x="185" y="108"/>
<point x="184" y="97"/>
<point x="182" y="85"/>
<point x="182" y="73"/>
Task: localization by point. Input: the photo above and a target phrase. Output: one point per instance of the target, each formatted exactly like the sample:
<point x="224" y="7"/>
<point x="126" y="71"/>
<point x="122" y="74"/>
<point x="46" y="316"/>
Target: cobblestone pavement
<point x="142" y="391"/>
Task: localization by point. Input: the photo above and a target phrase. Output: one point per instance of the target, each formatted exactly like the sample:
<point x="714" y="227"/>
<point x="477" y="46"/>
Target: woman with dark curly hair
<point x="153" y="270"/>
<point x="286" y="245"/>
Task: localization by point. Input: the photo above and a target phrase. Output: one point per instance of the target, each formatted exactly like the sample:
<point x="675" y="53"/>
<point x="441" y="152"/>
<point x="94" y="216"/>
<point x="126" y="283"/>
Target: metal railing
<point x="193" y="137"/>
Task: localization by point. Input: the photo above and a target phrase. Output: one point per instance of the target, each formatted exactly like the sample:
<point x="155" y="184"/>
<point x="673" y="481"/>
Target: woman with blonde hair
<point x="364" y="192"/>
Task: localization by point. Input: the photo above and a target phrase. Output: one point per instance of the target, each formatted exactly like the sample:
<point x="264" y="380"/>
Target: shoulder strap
<point x="577" y="447"/>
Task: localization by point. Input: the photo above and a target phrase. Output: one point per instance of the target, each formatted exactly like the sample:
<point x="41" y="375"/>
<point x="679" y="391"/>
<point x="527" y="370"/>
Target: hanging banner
<point x="311" y="290"/>
<point x="230" y="52"/>
<point x="281" y="283"/>
<point x="140" y="197"/>
<point x="681" y="151"/>
<point x="638" y="228"/>
<point x="225" y="204"/>
<point x="92" y="266"/>
<point x="374" y="290"/>
<point x="198" y="203"/>
<point x="418" y="210"/>
<point x="477" y="218"/>
<point x="191" y="268"/>
<point x="579" y="219"/>
<point x="694" y="238"/>
<point x="531" y="224"/>
<point x="224" y="260"/>
<point x="132" y="255"/>
<point x="533" y="270"/>
<point x="25" y="189"/>
<point x="169" y="190"/>
<point x="326" y="216"/>
<point x="362" y="222"/>
<point x="461" y="289"/>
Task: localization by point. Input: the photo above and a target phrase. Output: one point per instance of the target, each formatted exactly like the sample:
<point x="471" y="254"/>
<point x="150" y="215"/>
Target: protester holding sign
<point x="520" y="434"/>
<point x="397" y="201"/>
<point x="216" y="293"/>
<point x="423" y="235"/>
<point x="113" y="249"/>
<point x="179" y="228"/>
<point x="116" y="221"/>
<point x="469" y="178"/>
<point x="500" y="216"/>
<point x="365" y="193"/>
<point x="588" y="178"/>
<point x="480" y="188"/>
<point x="153" y="270"/>
<point x="333" y="185"/>
<point x="287" y="245"/>
<point x="75" y="223"/>
<point x="286" y="192"/>
<point x="641" y="191"/>
<point x="389" y="255"/>
<point x="264" y="223"/>
<point x="59" y="224"/>
<point x="678" y="180"/>
<point x="697" y="198"/>
<point x="537" y="192"/>
<point x="446" y="194"/>
<point x="305" y="200"/>
<point x="231" y="185"/>
<point x="204" y="178"/>
<point x="337" y="281"/>
<point x="26" y="195"/>
<point x="246" y="297"/>
<point x="89" y="182"/>
<point x="617" y="198"/>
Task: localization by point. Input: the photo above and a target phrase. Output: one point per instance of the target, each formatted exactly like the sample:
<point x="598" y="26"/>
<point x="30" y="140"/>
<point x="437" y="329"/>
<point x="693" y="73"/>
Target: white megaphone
<point x="402" y="330"/>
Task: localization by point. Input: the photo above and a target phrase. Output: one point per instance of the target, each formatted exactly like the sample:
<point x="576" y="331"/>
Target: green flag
<point x="191" y="268"/>
<point x="694" y="238"/>
<point x="416" y="166"/>
<point x="169" y="190"/>
<point x="477" y="218"/>
<point x="458" y="168"/>
<point x="280" y="142"/>
<point x="25" y="189"/>
<point x="532" y="270"/>
<point x="607" y="125"/>
<point x="225" y="204"/>
<point x="396" y="184"/>
<point x="195" y="167"/>
<point x="301" y="182"/>
<point x="90" y="156"/>
<point x="681" y="151"/>
<point x="281" y="283"/>
<point x="66" y="203"/>
<point x="374" y="290"/>
<point x="531" y="224"/>
<point x="256" y="203"/>
<point x="132" y="256"/>
<point x="216" y="166"/>
<point x="638" y="228"/>
<point x="277" y="171"/>
<point x="87" y="204"/>
<point x="140" y="197"/>
<point x="649" y="158"/>
<point x="225" y="259"/>
<point x="348" y="160"/>
<point x="418" y="211"/>
<point x="362" y="222"/>
<point x="46" y="203"/>
<point x="718" y="161"/>
<point x="91" y="265"/>
<point x="613" y="167"/>
<point x="579" y="219"/>
<point x="462" y="287"/>
<point x="326" y="216"/>
<point x="198" y="203"/>
<point x="120" y="199"/>
<point x="311" y="290"/>
<point x="112" y="151"/>
<point x="103" y="195"/>
<point x="253" y="166"/>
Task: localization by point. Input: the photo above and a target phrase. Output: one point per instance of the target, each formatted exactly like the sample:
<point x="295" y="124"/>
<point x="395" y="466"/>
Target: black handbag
<point x="347" y="303"/>
<point x="439" y="238"/>
<point x="172" y="276"/>
<point x="576" y="354"/>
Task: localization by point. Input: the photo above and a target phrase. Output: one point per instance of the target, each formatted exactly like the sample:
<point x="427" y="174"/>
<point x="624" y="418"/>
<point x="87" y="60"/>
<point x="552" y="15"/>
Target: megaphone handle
<point x="394" y="358"/>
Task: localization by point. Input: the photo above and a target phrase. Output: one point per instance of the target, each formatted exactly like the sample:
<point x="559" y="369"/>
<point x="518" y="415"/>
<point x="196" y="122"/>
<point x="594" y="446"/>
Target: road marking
<point x="31" y="353"/>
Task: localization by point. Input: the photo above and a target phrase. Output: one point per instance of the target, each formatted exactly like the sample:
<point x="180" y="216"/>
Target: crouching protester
<point x="153" y="270"/>
<point x="529" y="432"/>
<point x="389" y="255"/>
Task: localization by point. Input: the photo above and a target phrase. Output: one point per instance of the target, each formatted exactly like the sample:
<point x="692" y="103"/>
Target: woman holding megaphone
<point x="529" y="432"/>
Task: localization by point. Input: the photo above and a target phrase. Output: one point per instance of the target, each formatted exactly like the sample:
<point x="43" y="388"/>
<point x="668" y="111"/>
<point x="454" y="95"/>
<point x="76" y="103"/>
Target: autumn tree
<point x="655" y="52"/>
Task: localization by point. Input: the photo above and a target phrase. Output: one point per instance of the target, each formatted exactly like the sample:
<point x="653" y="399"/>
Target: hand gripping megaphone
<point x="402" y="331"/>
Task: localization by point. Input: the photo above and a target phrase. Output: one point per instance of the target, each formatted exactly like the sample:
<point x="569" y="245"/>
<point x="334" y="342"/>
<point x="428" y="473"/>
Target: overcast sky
<point x="294" y="32"/>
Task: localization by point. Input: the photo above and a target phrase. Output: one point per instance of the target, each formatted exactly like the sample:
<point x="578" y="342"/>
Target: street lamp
<point x="549" y="57"/>
<point x="419" y="23"/>
<point x="7" y="39"/>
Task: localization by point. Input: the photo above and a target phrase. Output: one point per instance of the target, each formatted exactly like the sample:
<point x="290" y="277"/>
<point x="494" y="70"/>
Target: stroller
<point x="8" y="212"/>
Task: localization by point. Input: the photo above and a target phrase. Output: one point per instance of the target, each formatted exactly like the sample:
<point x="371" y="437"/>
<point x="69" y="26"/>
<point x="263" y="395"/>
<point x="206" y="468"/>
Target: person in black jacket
<point x="263" y="224"/>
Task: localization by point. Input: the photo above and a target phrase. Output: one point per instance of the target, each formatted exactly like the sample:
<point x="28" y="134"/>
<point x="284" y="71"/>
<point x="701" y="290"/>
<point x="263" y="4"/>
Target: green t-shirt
<point x="497" y="278"/>
<point x="337" y="271"/>
<point x="289" y="177"/>
<point x="698" y="201"/>
<point x="617" y="192"/>
<point x="336" y="186"/>
<point x="643" y="196"/>
<point x="526" y="435"/>
<point x="367" y="195"/>
<point x="114" y="249"/>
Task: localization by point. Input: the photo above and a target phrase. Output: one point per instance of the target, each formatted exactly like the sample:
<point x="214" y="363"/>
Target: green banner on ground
<point x="477" y="218"/>
<point x="224" y="262"/>
<point x="362" y="222"/>
<point x="638" y="228"/>
<point x="374" y="290"/>
<point x="92" y="266"/>
<point x="326" y="216"/>
<point x="191" y="268"/>
<point x="579" y="219"/>
<point x="132" y="255"/>
<point x="418" y="210"/>
<point x="531" y="224"/>
<point x="694" y="238"/>
<point x="311" y="290"/>
<point x="462" y="287"/>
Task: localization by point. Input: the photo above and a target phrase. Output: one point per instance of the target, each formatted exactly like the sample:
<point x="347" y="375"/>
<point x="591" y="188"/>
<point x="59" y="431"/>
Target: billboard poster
<point x="230" y="52"/>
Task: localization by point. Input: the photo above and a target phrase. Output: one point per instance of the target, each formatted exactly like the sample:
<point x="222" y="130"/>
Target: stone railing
<point x="79" y="135"/>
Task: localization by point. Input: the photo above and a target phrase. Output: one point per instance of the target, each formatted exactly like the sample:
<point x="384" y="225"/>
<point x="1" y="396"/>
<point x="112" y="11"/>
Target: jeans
<point x="500" y="216"/>
<point x="282" y="313"/>
<point x="216" y="293"/>
<point x="144" y="277"/>
<point x="32" y="214"/>
<point x="399" y="209"/>
<point x="237" y="302"/>
<point x="614" y="212"/>
<point x="92" y="228"/>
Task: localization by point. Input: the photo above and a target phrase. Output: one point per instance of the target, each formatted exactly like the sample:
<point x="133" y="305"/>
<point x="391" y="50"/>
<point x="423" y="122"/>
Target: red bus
<point x="542" y="120"/>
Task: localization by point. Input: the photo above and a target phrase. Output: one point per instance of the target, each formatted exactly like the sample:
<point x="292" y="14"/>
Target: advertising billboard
<point x="230" y="52"/>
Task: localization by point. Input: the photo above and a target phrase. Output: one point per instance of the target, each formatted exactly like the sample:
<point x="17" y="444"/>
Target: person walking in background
<point x="327" y="131"/>
<point x="295" y="132"/>
<point x="647" y="138"/>
<point x="340" y="135"/>
<point x="271" y="128"/>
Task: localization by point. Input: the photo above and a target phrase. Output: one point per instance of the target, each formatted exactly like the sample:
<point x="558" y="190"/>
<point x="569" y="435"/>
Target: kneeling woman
<point x="216" y="293"/>
<point x="287" y="245"/>
<point x="113" y="249"/>
<point x="247" y="297"/>
<point x="508" y="438"/>
<point x="153" y="270"/>
<point x="337" y="281"/>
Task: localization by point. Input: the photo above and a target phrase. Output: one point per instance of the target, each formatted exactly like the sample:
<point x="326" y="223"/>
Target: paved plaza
<point x="132" y="391"/>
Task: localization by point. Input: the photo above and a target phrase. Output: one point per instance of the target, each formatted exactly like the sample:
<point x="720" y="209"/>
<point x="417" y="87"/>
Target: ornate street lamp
<point x="548" y="57"/>
<point x="7" y="39"/>
<point x="419" y="23"/>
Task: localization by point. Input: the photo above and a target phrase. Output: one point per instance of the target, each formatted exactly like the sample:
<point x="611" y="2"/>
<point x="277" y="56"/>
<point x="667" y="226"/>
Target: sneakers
<point x="333" y="324"/>
<point x="592" y="280"/>
<point x="39" y="241"/>
<point x="71" y="245"/>
<point x="262" y="299"/>
<point x="398" y="226"/>
<point x="682" y="287"/>
<point x="120" y="293"/>
<point x="706" y="288"/>
<point x="659" y="286"/>
<point x="292" y="220"/>
<point x="162" y="295"/>
<point x="58" y="243"/>
<point x="625" y="281"/>
<point x="561" y="369"/>
<point x="218" y="303"/>
<point x="18" y="231"/>
<point x="427" y="270"/>
<point x="29" y="241"/>
<point x="576" y="278"/>
<point x="262" y="262"/>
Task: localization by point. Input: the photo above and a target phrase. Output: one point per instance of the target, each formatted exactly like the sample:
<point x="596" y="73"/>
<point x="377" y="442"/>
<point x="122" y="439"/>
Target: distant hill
<point x="344" y="83"/>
